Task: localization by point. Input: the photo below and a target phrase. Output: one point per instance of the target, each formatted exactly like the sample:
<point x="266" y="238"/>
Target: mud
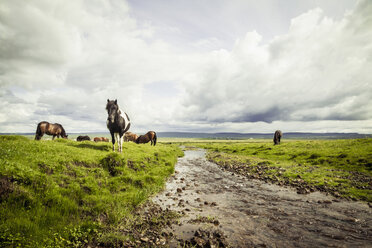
<point x="242" y="212"/>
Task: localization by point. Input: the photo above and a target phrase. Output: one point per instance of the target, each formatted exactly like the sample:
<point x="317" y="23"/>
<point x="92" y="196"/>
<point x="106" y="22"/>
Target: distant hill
<point x="289" y="135"/>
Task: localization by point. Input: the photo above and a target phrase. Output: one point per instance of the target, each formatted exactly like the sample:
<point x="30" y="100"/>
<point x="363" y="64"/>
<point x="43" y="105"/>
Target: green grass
<point x="341" y="166"/>
<point x="64" y="193"/>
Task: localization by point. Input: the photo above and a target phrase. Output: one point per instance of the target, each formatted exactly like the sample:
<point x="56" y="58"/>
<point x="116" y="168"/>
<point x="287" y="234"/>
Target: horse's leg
<point x="121" y="143"/>
<point x="118" y="141"/>
<point x="53" y="137"/>
<point x="113" y="141"/>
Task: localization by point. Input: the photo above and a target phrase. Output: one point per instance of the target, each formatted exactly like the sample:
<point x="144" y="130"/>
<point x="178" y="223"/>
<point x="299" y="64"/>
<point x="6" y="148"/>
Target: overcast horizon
<point x="187" y="66"/>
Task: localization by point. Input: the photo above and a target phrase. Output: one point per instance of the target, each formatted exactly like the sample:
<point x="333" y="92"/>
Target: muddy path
<point x="252" y="213"/>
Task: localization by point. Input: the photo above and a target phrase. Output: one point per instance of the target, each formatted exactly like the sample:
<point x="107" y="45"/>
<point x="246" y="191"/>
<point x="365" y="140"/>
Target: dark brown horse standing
<point x="149" y="136"/>
<point x="45" y="127"/>
<point x="277" y="136"/>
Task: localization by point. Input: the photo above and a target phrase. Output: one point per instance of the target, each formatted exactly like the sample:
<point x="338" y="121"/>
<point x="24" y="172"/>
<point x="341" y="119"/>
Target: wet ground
<point x="244" y="212"/>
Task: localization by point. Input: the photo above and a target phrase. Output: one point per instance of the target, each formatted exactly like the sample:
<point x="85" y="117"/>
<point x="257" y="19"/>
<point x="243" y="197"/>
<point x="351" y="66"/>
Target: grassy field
<point x="64" y="193"/>
<point x="340" y="167"/>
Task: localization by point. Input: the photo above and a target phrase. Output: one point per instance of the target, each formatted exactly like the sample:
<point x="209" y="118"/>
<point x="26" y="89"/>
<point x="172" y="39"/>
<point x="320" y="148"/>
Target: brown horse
<point x="45" y="127"/>
<point x="149" y="136"/>
<point x="129" y="136"/>
<point x="83" y="138"/>
<point x="98" y="139"/>
<point x="277" y="136"/>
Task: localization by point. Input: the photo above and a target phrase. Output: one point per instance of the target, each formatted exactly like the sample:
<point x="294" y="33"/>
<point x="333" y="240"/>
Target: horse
<point x="128" y="136"/>
<point x="117" y="122"/>
<point x="55" y="129"/>
<point x="277" y="136"/>
<point x="149" y="136"/>
<point x="83" y="138"/>
<point x="98" y="139"/>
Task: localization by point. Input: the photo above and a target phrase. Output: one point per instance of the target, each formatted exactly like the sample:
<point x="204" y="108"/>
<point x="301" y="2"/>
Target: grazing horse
<point x="128" y="136"/>
<point x="45" y="127"/>
<point x="83" y="138"/>
<point x="149" y="136"/>
<point x="117" y="122"/>
<point x="98" y="139"/>
<point x="277" y="136"/>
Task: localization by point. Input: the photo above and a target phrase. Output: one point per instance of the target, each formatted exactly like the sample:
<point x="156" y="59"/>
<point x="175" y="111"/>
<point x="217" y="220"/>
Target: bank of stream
<point x="221" y="208"/>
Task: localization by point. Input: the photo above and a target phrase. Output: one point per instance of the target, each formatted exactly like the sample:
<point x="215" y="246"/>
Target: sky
<point x="187" y="65"/>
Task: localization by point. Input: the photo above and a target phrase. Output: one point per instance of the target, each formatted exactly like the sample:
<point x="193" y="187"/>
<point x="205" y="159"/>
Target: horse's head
<point x="112" y="108"/>
<point x="62" y="131"/>
<point x="63" y="134"/>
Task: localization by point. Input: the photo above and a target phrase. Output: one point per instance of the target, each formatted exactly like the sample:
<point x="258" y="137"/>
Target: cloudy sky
<point x="187" y="65"/>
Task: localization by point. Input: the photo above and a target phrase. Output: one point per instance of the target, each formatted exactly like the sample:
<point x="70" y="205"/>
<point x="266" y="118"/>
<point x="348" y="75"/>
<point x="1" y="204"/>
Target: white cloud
<point x="60" y="61"/>
<point x="317" y="71"/>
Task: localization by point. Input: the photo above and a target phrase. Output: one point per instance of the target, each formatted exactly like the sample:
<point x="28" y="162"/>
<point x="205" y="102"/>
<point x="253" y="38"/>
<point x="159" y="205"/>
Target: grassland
<point x="64" y="193"/>
<point x="340" y="167"/>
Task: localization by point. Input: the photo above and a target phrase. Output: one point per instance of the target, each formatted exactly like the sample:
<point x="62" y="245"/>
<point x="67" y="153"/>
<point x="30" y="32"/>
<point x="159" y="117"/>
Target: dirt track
<point x="252" y="213"/>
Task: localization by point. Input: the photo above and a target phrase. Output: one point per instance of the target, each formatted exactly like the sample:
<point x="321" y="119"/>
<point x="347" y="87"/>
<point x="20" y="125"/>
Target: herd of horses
<point x="118" y="123"/>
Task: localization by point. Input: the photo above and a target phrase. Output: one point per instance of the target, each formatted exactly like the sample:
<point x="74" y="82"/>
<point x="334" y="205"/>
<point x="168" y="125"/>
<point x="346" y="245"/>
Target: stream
<point x="252" y="213"/>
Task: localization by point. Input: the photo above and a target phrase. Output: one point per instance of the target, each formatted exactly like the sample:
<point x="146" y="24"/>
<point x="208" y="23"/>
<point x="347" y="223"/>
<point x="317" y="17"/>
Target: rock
<point x="144" y="239"/>
<point x="198" y="241"/>
<point x="303" y="190"/>
<point x="179" y="190"/>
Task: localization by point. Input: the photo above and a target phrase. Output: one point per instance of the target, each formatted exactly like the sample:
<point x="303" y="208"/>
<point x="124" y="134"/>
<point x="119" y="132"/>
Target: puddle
<point x="254" y="213"/>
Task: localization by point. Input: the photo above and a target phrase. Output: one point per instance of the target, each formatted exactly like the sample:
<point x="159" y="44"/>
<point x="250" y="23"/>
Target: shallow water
<point x="255" y="213"/>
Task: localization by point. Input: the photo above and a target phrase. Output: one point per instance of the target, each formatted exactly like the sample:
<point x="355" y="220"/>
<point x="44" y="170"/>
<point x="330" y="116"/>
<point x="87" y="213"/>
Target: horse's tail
<point x="128" y="125"/>
<point x="127" y="128"/>
<point x="155" y="138"/>
<point x="38" y="132"/>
